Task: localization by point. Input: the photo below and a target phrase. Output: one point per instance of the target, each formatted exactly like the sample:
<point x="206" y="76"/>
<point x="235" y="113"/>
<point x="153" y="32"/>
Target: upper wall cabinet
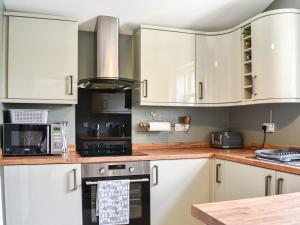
<point x="276" y="57"/>
<point x="166" y="67"/>
<point x="255" y="62"/>
<point x="218" y="70"/>
<point x="41" y="59"/>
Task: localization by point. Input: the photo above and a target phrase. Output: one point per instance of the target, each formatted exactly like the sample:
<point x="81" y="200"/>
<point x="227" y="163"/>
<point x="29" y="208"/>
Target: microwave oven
<point x="32" y="139"/>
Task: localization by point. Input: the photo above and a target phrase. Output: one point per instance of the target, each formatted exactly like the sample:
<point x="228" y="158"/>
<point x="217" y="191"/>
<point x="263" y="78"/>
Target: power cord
<point x="264" y="128"/>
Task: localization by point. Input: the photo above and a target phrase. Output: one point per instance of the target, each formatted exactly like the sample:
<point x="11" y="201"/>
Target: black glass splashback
<point x="103" y="123"/>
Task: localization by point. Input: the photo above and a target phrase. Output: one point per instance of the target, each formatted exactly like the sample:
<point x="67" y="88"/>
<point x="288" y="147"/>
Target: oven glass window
<point x="136" y="202"/>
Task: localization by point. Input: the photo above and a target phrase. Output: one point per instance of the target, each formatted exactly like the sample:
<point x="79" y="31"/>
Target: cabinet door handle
<point x="218" y="166"/>
<point x="145" y="88"/>
<point x="279" y="186"/>
<point x="254" y="91"/>
<point x="74" y="180"/>
<point x="70" y="86"/>
<point x="200" y="90"/>
<point x="268" y="185"/>
<point x="155" y="178"/>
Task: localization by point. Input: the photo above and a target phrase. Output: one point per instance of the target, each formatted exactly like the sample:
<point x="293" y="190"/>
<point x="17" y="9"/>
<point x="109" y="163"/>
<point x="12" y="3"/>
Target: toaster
<point x="226" y="139"/>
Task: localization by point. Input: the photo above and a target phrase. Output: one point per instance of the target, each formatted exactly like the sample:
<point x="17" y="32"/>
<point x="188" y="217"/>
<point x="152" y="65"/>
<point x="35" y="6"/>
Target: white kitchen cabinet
<point x="166" y="66"/>
<point x="218" y="73"/>
<point x="287" y="183"/>
<point x="276" y="56"/>
<point x="237" y="181"/>
<point x="43" y="194"/>
<point x="176" y="185"/>
<point x="42" y="60"/>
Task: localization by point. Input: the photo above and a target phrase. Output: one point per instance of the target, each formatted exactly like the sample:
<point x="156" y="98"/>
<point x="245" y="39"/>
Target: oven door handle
<point x="89" y="183"/>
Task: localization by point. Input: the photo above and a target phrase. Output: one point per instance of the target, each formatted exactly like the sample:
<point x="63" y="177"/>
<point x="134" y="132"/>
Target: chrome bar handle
<point x="145" y="88"/>
<point x="200" y="90"/>
<point x="155" y="178"/>
<point x="75" y="179"/>
<point x="279" y="186"/>
<point x="70" y="87"/>
<point x="218" y="166"/>
<point x="254" y="92"/>
<point x="89" y="183"/>
<point x="268" y="185"/>
<point x="48" y="139"/>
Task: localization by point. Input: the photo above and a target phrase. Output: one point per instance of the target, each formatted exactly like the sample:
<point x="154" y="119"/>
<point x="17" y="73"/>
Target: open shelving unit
<point x="247" y="63"/>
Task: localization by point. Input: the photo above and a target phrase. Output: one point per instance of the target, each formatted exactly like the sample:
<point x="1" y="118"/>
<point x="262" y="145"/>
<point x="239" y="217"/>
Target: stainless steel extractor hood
<point x="107" y="77"/>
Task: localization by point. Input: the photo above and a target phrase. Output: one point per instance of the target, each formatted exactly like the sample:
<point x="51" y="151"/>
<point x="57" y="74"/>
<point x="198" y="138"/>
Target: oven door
<point x="25" y="139"/>
<point x="139" y="199"/>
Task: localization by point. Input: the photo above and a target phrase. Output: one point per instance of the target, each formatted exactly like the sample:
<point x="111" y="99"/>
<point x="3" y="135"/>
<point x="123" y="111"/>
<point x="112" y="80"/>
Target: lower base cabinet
<point x="287" y="183"/>
<point x="43" y="194"/>
<point x="237" y="181"/>
<point x="176" y="185"/>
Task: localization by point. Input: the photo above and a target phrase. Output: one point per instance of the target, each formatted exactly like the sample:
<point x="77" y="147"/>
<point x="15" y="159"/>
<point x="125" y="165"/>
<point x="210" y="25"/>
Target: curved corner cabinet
<point x="276" y="57"/>
<point x="255" y="62"/>
<point x="219" y="68"/>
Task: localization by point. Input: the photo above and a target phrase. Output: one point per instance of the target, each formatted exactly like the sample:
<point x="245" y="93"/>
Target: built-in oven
<point x="137" y="172"/>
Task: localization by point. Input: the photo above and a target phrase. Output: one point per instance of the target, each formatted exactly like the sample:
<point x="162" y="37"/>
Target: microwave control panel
<point x="56" y="138"/>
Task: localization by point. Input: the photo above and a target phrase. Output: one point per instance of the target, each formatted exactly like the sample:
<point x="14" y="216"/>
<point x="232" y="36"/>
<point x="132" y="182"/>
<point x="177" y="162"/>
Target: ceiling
<point x="208" y="15"/>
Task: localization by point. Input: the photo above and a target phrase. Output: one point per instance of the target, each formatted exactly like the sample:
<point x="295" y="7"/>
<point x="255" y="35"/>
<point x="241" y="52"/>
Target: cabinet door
<point x="42" y="59"/>
<point x="43" y="194"/>
<point x="244" y="181"/>
<point x="219" y="68"/>
<point x="240" y="181"/>
<point x="167" y="67"/>
<point x="287" y="183"/>
<point x="178" y="185"/>
<point x="219" y="183"/>
<point x="276" y="56"/>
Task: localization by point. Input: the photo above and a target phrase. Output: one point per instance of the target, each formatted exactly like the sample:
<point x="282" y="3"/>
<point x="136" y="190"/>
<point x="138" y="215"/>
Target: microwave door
<point x="25" y="139"/>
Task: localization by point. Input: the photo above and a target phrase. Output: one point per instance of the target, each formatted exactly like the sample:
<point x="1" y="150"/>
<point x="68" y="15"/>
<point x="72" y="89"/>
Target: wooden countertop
<point x="155" y="152"/>
<point x="272" y="210"/>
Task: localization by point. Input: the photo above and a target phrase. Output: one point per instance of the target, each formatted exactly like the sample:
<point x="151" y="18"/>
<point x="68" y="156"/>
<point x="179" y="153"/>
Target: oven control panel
<point x="115" y="169"/>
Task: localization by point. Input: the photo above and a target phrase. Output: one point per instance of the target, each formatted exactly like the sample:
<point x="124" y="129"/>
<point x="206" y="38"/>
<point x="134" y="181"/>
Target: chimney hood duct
<point x="107" y="77"/>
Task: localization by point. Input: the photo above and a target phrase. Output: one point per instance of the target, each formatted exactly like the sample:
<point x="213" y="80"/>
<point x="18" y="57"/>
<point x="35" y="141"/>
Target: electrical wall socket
<point x="270" y="127"/>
